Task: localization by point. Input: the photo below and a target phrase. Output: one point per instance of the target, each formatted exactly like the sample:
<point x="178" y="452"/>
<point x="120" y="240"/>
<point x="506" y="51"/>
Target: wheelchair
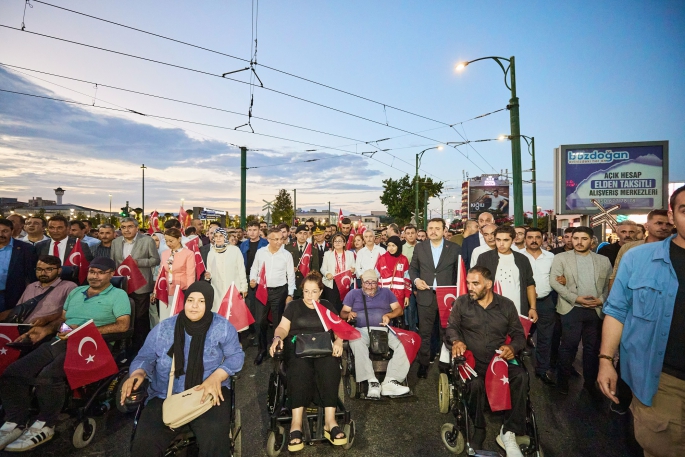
<point x="355" y="389"/>
<point x="313" y="417"/>
<point x="185" y="439"/>
<point x="456" y="437"/>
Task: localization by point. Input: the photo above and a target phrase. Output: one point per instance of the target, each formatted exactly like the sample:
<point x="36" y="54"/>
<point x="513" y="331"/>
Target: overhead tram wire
<point x="154" y="116"/>
<point x="243" y="82"/>
<point x="15" y="67"/>
<point x="245" y="60"/>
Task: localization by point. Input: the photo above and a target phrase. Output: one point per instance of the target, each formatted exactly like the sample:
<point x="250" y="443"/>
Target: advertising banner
<point x="633" y="175"/>
<point x="488" y="194"/>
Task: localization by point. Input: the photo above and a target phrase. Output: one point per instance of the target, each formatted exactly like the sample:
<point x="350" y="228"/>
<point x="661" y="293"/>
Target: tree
<point x="283" y="208"/>
<point x="399" y="196"/>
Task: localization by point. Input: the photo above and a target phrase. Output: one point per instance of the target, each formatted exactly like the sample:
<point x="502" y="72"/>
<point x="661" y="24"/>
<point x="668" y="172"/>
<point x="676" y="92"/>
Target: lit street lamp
<point x="418" y="164"/>
<point x="513" y="107"/>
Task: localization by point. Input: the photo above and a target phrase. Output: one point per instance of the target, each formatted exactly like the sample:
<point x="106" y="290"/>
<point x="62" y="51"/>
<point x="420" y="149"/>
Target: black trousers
<point x="251" y="302"/>
<point x="515" y="418"/>
<point x="312" y="379"/>
<point x="45" y="366"/>
<point x="276" y="303"/>
<point x="141" y="316"/>
<point x="333" y="296"/>
<point x="211" y="430"/>
<point x="547" y="316"/>
<point x="577" y="324"/>
<point x="427" y="317"/>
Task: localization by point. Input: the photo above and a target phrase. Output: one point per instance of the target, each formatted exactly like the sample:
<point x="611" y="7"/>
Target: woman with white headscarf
<point x="225" y="265"/>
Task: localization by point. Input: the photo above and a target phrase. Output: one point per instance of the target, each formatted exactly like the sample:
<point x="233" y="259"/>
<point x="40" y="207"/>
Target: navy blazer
<point x="43" y="248"/>
<point x="470" y="243"/>
<point x="422" y="266"/>
<point x="22" y="272"/>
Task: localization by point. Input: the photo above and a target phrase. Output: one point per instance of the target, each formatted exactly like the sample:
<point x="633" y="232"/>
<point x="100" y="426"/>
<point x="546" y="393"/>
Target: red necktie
<point x="55" y="249"/>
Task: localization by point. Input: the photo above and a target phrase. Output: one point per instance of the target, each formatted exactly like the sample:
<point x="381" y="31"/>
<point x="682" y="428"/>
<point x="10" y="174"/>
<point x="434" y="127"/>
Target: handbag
<point x="378" y="339"/>
<point x="312" y="345"/>
<point x="22" y="311"/>
<point x="181" y="408"/>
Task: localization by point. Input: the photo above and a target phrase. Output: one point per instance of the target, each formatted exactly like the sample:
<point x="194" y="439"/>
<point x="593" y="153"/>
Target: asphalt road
<point x="569" y="425"/>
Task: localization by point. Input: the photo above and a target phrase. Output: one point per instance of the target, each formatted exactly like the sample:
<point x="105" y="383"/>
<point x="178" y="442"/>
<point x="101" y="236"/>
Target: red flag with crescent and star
<point x="183" y="219"/>
<point x="344" y="282"/>
<point x="162" y="287"/>
<point x="8" y="333"/>
<point x="445" y="296"/>
<point x="332" y="321"/>
<point x="340" y="218"/>
<point x="497" y="384"/>
<point x="129" y="268"/>
<point x="305" y="260"/>
<point x="350" y="239"/>
<point x="77" y="259"/>
<point x="194" y="245"/>
<point x="88" y="359"/>
<point x="234" y="309"/>
<point x="411" y="341"/>
<point x="153" y="223"/>
<point x="262" y="292"/>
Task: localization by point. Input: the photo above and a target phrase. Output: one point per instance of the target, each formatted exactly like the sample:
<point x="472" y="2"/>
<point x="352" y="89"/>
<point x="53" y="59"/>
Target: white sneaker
<point x="9" y="432"/>
<point x="392" y="388"/>
<point x="374" y="390"/>
<point x="33" y="436"/>
<point x="510" y="445"/>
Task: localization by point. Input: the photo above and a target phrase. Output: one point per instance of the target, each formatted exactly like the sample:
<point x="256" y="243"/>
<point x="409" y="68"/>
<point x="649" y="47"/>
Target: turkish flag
<point x="497" y="384"/>
<point x="526" y="323"/>
<point x="445" y="296"/>
<point x="77" y="259"/>
<point x="153" y="223"/>
<point x="462" y="286"/>
<point x="350" y="239"/>
<point x="411" y="341"/>
<point x="179" y="301"/>
<point x="262" y="292"/>
<point x="344" y="281"/>
<point x="234" y="309"/>
<point x="194" y="245"/>
<point x="183" y="218"/>
<point x="332" y="321"/>
<point x="340" y="218"/>
<point x="129" y="268"/>
<point x="468" y="370"/>
<point x="162" y="287"/>
<point x="305" y="260"/>
<point x="361" y="229"/>
<point x="8" y="333"/>
<point x="88" y="358"/>
<point x="497" y="288"/>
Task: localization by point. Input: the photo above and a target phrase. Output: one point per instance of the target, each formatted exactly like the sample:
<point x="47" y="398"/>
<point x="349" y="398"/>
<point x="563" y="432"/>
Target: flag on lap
<point x="331" y="321"/>
<point x="8" y="333"/>
<point x="497" y="384"/>
<point x="411" y="341"/>
<point x="88" y="359"/>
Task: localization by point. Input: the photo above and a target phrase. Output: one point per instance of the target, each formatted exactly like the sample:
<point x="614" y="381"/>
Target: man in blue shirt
<point x="645" y="313"/>
<point x="17" y="266"/>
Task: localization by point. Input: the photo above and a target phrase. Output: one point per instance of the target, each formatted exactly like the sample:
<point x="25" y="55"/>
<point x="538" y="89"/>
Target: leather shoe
<point x="423" y="371"/>
<point x="546" y="379"/>
<point x="260" y="358"/>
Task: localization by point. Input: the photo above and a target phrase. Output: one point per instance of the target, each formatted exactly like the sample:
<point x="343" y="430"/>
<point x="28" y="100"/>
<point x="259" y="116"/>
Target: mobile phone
<point x="64" y="328"/>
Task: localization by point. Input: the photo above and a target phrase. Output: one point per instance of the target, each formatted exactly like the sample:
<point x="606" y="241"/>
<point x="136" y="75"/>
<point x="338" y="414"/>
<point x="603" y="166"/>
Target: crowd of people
<point x="624" y="301"/>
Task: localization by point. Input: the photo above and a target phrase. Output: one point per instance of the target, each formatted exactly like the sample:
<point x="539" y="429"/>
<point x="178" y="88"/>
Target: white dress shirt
<point x="541" y="268"/>
<point x="128" y="246"/>
<point x="61" y="247"/>
<point x="478" y="251"/>
<point x="280" y="269"/>
<point x="366" y="259"/>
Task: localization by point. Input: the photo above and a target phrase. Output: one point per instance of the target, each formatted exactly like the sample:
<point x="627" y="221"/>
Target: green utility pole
<point x="517" y="175"/>
<point x="416" y="193"/>
<point x="243" y="186"/>
<point x="294" y="206"/>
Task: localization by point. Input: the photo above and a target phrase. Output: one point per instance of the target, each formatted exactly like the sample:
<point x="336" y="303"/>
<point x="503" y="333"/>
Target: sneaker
<point x="9" y="432"/>
<point x="392" y="388"/>
<point x="32" y="437"/>
<point x="510" y="445"/>
<point x="374" y="390"/>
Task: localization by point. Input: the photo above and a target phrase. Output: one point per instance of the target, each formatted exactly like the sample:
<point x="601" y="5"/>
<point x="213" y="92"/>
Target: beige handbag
<point x="179" y="409"/>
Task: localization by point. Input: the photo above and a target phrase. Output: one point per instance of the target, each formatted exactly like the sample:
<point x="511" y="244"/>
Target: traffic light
<point x="125" y="211"/>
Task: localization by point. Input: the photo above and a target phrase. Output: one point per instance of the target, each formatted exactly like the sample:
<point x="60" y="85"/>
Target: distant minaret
<point x="59" y="192"/>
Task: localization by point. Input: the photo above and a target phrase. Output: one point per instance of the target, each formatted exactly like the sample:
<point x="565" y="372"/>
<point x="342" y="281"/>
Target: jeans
<point x="411" y="314"/>
<point x="398" y="366"/>
<point x="580" y="323"/>
<point x="545" y="330"/>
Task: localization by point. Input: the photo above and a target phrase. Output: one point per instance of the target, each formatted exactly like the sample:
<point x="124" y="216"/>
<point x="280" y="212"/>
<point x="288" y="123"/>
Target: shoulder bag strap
<point x="170" y="389"/>
<point x="366" y="313"/>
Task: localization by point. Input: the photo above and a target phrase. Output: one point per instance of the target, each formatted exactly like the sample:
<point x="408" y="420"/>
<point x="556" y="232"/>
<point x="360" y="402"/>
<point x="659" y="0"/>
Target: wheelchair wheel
<point x="349" y="430"/>
<point x="444" y="393"/>
<point x="275" y="443"/>
<point x="341" y="391"/>
<point x="452" y="439"/>
<point x="84" y="433"/>
<point x="237" y="435"/>
<point x="351" y="386"/>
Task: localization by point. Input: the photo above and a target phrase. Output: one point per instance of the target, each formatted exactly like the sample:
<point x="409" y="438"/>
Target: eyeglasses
<point x="46" y="270"/>
<point x="338" y="241"/>
<point x="99" y="272"/>
<point x="370" y="283"/>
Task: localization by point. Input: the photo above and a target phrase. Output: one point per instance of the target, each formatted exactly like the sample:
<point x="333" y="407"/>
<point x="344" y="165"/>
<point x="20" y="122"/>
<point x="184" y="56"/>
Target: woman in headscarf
<point x="205" y="349"/>
<point x="225" y="265"/>
<point x="393" y="268"/>
<point x="335" y="262"/>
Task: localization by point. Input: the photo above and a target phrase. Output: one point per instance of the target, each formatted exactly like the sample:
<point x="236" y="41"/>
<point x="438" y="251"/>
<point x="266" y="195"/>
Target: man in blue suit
<point x="17" y="266"/>
<point x="471" y="242"/>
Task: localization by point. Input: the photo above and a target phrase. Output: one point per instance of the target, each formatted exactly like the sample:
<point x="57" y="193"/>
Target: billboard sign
<point x="633" y="175"/>
<point x="209" y="213"/>
<point x="488" y="194"/>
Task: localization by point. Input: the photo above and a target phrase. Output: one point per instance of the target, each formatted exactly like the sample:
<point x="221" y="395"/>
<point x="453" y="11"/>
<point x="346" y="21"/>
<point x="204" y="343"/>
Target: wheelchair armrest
<point x="112" y="337"/>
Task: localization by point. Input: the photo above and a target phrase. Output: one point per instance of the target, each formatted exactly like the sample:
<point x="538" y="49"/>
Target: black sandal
<point x="332" y="436"/>
<point x="295" y="435"/>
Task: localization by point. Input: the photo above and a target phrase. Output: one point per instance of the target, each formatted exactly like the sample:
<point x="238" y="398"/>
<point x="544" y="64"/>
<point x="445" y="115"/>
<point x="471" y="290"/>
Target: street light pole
<point x="143" y="207"/>
<point x="530" y="141"/>
<point x="243" y="186"/>
<point x="416" y="178"/>
<point x="425" y="209"/>
<point x="110" y="208"/>
<point x="517" y="176"/>
<point x="294" y="205"/>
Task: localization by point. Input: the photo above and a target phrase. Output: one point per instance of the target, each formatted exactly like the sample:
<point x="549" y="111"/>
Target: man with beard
<point x="346" y="227"/>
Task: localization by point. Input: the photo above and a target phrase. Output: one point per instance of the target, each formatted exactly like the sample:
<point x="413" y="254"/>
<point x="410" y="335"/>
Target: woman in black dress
<point x="309" y="378"/>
